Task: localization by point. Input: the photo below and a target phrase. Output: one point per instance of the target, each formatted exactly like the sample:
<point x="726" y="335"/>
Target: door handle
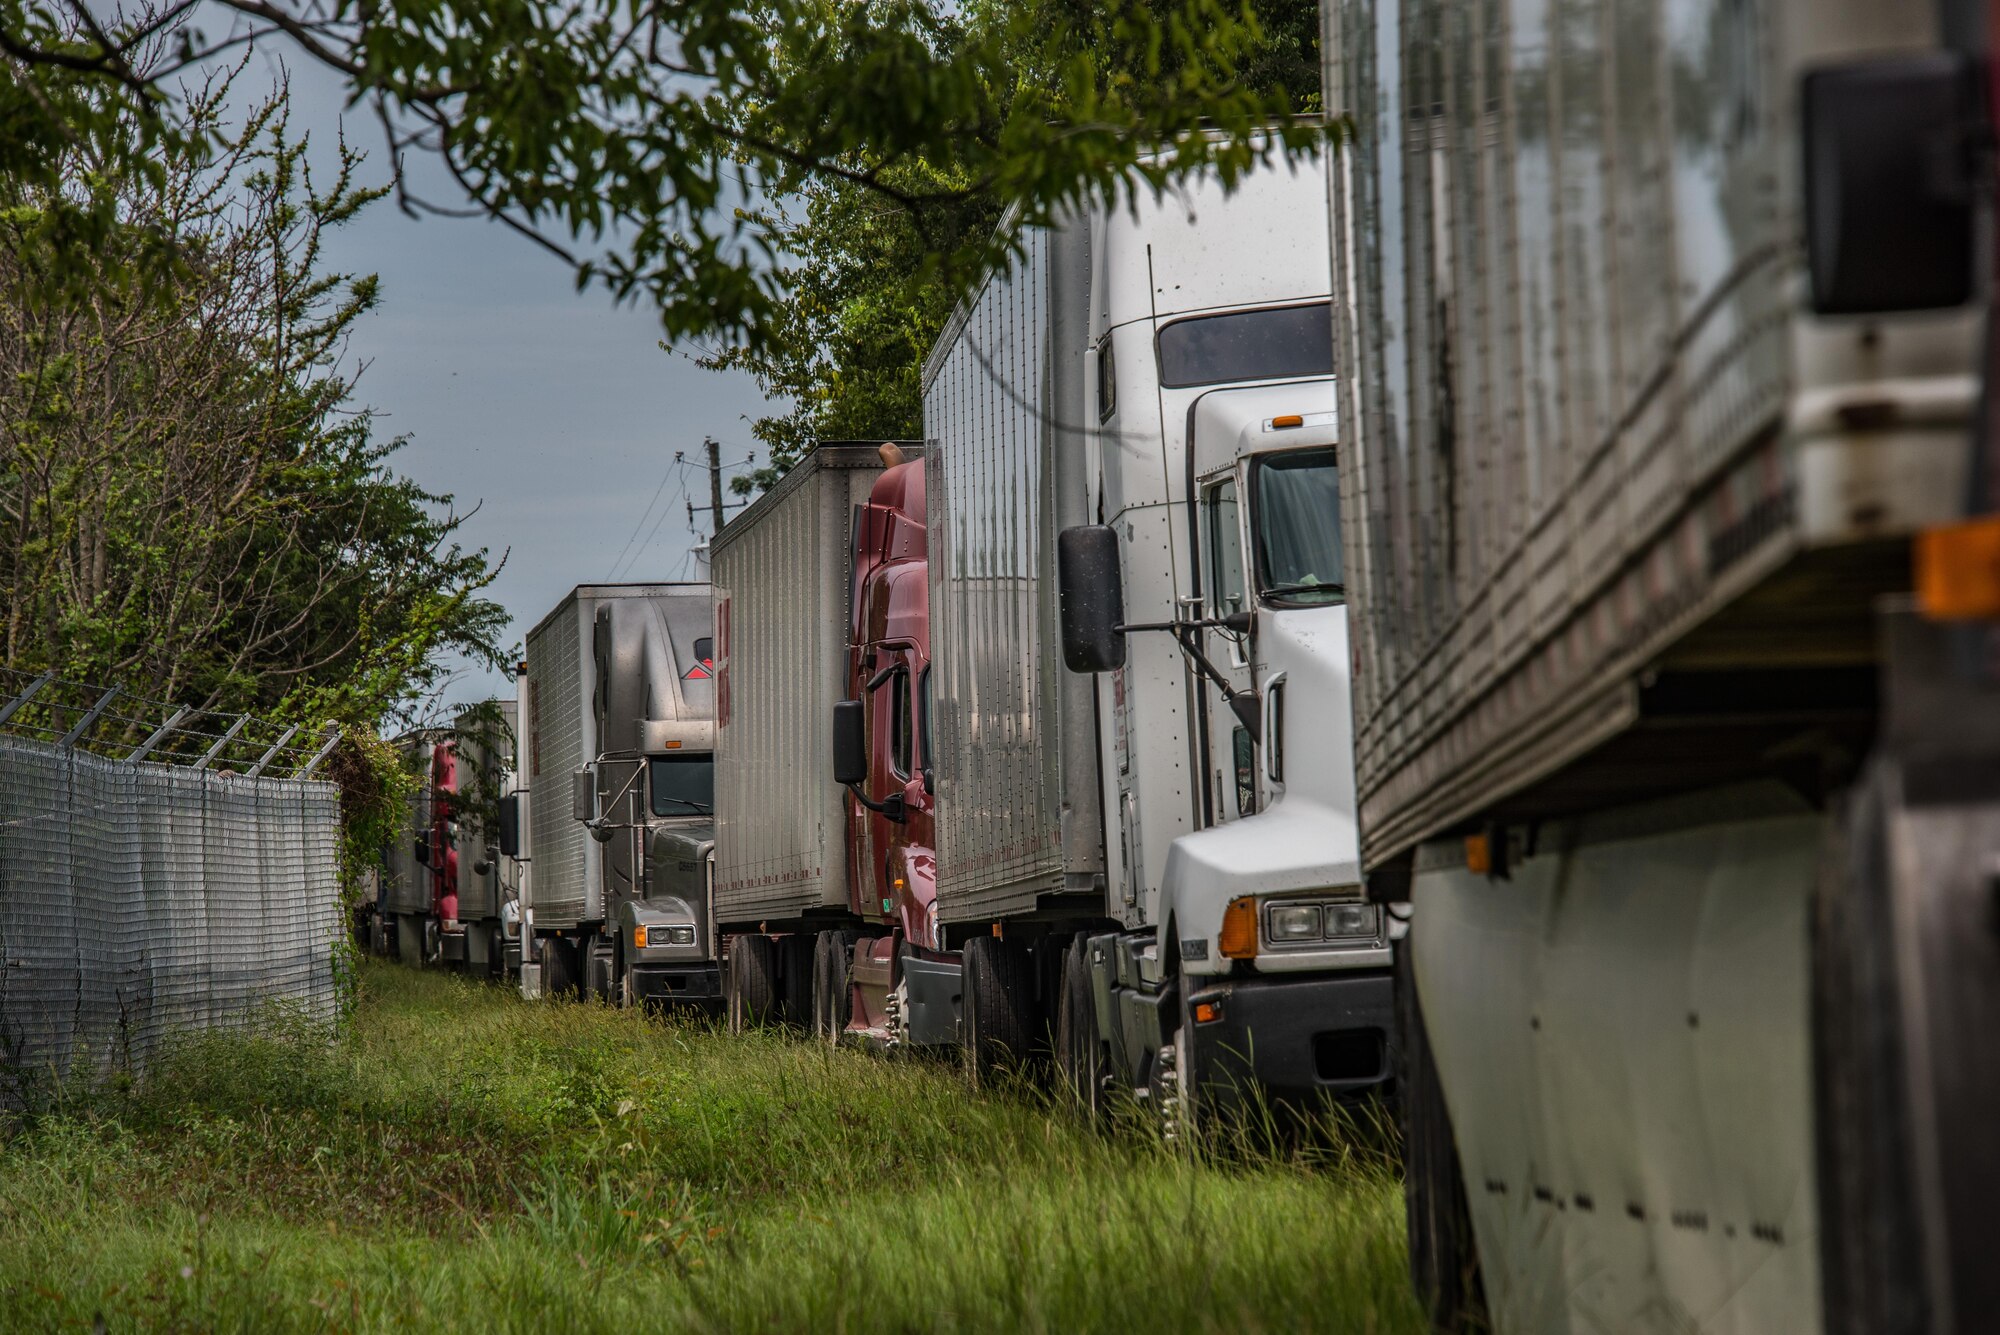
<point x="1273" y="693"/>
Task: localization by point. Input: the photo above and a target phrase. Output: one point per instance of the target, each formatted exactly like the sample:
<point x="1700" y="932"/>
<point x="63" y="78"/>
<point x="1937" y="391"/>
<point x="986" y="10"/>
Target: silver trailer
<point x="619" y="699"/>
<point x="1659" y="332"/>
<point x="781" y="580"/>
<point x="1019" y="814"/>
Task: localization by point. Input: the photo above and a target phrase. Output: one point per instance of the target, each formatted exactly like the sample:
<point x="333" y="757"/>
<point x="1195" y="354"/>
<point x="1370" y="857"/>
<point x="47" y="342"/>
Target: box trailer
<point x="819" y="601"/>
<point x="1660" y="333"/>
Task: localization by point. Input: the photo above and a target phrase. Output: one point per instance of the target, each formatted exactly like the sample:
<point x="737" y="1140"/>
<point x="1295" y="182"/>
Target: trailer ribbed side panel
<point x="1584" y="412"/>
<point x="1017" y="796"/>
<point x="556" y="751"/>
<point x="780" y="574"/>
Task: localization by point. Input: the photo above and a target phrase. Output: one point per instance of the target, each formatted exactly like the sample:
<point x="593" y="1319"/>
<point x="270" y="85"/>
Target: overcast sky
<point x="553" y="410"/>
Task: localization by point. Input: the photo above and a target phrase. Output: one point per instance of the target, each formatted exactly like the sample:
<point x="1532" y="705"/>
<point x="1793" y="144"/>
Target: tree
<point x="871" y="280"/>
<point x="191" y="507"/>
<point x="641" y="142"/>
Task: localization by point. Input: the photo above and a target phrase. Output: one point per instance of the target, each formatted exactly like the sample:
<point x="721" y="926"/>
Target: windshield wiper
<point x="686" y="802"/>
<point x="1291" y="590"/>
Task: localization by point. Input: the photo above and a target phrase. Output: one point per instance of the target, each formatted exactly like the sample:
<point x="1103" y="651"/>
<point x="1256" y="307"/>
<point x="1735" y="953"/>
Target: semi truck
<point x="407" y="911"/>
<point x="1664" y="336"/>
<point x="619" y="704"/>
<point x="1145" y="838"/>
<point x="481" y="762"/>
<point x="820" y="598"/>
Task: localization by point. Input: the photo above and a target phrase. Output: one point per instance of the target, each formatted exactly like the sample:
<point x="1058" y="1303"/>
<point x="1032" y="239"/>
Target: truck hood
<point x="1306" y="836"/>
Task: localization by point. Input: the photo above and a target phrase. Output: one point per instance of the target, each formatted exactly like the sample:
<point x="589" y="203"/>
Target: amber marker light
<point x="1478" y="855"/>
<point x="1289" y="419"/>
<point x="1958" y="570"/>
<point x="639" y="937"/>
<point x="1239" y="930"/>
<point x="1206" y="1012"/>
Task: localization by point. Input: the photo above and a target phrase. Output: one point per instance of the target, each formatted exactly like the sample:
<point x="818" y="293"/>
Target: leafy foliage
<point x="641" y="142"/>
<point x="190" y="505"/>
<point x="873" y="278"/>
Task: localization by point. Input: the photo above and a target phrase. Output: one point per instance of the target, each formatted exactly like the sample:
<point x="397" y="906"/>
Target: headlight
<point x="681" y="936"/>
<point x="1353" y="920"/>
<point x="1291" y="923"/>
<point x="1295" y="922"/>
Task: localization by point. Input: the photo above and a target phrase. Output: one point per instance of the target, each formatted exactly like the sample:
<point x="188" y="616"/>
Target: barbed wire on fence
<point x="116" y="724"/>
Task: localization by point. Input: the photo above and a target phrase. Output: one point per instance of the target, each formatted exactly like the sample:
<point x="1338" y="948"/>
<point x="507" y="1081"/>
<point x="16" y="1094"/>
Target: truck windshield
<point x="1247" y="345"/>
<point x="1297" y="523"/>
<point x="681" y="785"/>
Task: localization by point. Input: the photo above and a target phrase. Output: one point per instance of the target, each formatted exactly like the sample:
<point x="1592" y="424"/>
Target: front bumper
<point x="1297" y="1038"/>
<point x="677" y="982"/>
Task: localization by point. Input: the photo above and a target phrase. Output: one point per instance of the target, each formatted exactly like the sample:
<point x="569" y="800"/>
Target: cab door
<point x="1231" y="754"/>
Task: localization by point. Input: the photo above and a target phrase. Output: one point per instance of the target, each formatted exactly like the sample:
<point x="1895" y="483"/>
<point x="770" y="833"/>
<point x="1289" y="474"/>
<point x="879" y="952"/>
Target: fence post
<point x="325" y="750"/>
<point x="83" y="724"/>
<point x="276" y="747"/>
<point x="7" y="710"/>
<point x="145" y="748"/>
<point x="222" y="741"/>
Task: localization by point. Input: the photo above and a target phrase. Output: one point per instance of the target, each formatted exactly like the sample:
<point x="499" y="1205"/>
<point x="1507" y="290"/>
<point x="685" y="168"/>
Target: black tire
<point x="1444" y="1262"/>
<point x="496" y="953"/>
<point x="1000" y="1020"/>
<point x="751" y="983"/>
<point x="833" y="1001"/>
<point x="795" y="979"/>
<point x="1080" y="1061"/>
<point x="1871" y="1235"/>
<point x="558" y="967"/>
<point x="599" y="968"/>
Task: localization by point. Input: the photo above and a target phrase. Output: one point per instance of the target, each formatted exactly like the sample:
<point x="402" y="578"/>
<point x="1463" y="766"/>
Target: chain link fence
<point x="160" y="870"/>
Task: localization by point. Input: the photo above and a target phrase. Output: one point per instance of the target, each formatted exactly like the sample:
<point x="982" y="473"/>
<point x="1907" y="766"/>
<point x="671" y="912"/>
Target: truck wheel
<point x="558" y="967"/>
<point x="1173" y="1086"/>
<point x="1079" y="1048"/>
<point x="795" y="979"/>
<point x="999" y="992"/>
<point x="1444" y="1263"/>
<point x="1871" y="1234"/>
<point x="833" y="1001"/>
<point x="751" y="983"/>
<point x="496" y="953"/>
<point x="599" y="971"/>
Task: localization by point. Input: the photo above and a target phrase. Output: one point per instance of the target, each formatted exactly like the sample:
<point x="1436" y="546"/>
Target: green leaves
<point x="645" y="143"/>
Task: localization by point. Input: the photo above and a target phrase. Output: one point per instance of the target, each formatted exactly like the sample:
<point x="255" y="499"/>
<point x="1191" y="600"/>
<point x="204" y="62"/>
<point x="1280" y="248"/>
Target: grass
<point x="459" y="1159"/>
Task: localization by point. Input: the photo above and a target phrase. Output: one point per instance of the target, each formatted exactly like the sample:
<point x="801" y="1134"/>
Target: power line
<point x="665" y="478"/>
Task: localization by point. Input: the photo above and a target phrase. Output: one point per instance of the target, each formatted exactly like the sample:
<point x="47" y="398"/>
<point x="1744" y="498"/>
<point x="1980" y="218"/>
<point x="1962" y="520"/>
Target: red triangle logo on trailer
<point x="701" y="671"/>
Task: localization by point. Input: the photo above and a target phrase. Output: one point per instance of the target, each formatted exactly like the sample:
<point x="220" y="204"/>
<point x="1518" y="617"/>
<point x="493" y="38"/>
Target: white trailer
<point x="619" y="705"/>
<point x="1695" y="813"/>
<point x="782" y="575"/>
<point x="1132" y="860"/>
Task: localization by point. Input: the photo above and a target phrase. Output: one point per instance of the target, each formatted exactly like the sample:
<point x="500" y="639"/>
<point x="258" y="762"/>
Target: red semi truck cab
<point x="892" y="862"/>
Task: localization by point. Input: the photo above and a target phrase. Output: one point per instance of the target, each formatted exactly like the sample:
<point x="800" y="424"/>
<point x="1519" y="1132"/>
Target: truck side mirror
<point x="850" y="743"/>
<point x="1889" y="148"/>
<point x="510" y="826"/>
<point x="1093" y="601"/>
<point x="583" y="795"/>
<point x="422" y="850"/>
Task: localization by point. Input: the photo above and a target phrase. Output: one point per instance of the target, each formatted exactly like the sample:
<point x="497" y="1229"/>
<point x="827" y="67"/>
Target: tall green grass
<point x="462" y="1160"/>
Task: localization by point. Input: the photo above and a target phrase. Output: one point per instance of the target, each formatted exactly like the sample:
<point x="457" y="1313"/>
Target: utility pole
<point x="714" y="485"/>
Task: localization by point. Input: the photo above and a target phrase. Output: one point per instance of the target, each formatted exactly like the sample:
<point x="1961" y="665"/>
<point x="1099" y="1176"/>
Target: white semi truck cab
<point x="1161" y="858"/>
<point x="1261" y="964"/>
